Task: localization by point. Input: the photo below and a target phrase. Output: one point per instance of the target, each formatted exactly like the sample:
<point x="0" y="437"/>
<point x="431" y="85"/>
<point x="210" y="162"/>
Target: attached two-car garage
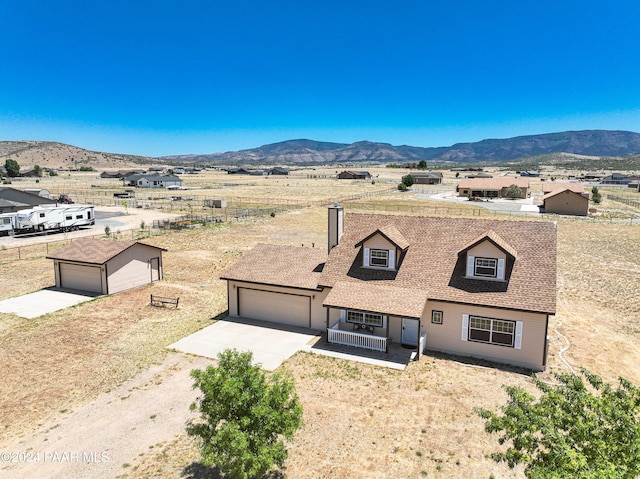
<point x="285" y="308"/>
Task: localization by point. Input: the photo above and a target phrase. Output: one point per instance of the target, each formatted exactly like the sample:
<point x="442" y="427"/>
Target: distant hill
<point x="48" y="154"/>
<point x="588" y="143"/>
<point x="556" y="147"/>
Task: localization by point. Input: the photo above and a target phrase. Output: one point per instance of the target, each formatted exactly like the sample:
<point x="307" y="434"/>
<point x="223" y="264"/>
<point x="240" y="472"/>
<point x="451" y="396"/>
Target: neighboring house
<point x="152" y="181"/>
<point x="594" y="175"/>
<point x="120" y="173"/>
<point x="12" y="200"/>
<point x="426" y="177"/>
<point x="492" y="187"/>
<point x="616" y="179"/>
<point x="566" y="201"/>
<point x="480" y="288"/>
<point x="244" y="171"/>
<point x="106" y="266"/>
<point x="354" y="175"/>
<point x="278" y="171"/>
<point x="530" y="173"/>
<point x="479" y="175"/>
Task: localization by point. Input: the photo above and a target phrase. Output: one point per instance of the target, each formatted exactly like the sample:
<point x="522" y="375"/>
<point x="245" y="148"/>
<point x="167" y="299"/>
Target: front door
<point x="410" y="331"/>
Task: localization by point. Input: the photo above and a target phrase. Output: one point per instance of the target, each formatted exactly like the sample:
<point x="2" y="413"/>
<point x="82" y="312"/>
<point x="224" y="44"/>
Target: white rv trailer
<point x="7" y="223"/>
<point x="57" y="218"/>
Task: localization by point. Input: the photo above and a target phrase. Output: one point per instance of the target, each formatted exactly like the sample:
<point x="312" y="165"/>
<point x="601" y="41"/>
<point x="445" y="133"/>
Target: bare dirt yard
<point x="97" y="378"/>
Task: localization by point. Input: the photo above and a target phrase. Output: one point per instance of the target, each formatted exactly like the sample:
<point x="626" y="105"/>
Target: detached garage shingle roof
<point x="94" y="251"/>
<point x="291" y="266"/>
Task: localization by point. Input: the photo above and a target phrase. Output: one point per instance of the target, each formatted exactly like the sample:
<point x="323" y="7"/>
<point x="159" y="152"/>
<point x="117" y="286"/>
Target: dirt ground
<point x="97" y="379"/>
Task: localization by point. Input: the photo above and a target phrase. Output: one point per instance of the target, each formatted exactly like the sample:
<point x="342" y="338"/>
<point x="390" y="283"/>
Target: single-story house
<point x="354" y="175"/>
<point x="152" y="181"/>
<point x="479" y="288"/>
<point x="276" y="170"/>
<point x="12" y="200"/>
<point x="479" y="175"/>
<point x="616" y="179"/>
<point x="530" y="173"/>
<point x="106" y="266"/>
<point x="426" y="177"/>
<point x="566" y="199"/>
<point x="492" y="187"/>
<point x="594" y="175"/>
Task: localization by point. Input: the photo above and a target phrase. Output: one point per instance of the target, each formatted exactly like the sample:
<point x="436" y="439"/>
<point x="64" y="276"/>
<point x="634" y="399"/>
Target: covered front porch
<point x="372" y="317"/>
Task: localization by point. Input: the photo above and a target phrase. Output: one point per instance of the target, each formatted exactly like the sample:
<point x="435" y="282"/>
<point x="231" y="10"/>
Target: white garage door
<point x="291" y="309"/>
<point x="84" y="278"/>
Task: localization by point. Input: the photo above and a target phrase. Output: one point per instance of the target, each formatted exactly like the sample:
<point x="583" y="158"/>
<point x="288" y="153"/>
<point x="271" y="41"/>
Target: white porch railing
<point x="358" y="340"/>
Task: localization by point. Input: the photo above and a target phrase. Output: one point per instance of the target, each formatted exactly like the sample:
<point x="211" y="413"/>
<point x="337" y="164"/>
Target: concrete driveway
<point x="44" y="301"/>
<point x="270" y="343"/>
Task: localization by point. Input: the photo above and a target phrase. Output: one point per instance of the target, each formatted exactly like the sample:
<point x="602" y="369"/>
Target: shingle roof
<point x="292" y="266"/>
<point x="496" y="239"/>
<point x="562" y="190"/>
<point x="432" y="263"/>
<point x="94" y="251"/>
<point x="494" y="183"/>
<point x="392" y="234"/>
<point x="549" y="187"/>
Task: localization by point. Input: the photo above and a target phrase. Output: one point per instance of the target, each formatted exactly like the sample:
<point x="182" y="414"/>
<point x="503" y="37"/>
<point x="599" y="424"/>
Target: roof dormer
<point x="487" y="257"/>
<point x="383" y="249"/>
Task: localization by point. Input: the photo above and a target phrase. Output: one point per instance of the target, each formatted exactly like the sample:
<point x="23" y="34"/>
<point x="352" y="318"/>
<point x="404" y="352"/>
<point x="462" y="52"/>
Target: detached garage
<point x="106" y="266"/>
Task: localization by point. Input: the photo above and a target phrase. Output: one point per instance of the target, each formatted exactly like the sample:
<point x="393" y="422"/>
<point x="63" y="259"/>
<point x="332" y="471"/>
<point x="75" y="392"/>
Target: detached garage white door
<point x="84" y="278"/>
<point x="291" y="309"/>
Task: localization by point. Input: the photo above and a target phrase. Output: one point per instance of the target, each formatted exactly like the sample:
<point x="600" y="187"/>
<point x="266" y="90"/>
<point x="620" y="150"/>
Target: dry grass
<point x="360" y="421"/>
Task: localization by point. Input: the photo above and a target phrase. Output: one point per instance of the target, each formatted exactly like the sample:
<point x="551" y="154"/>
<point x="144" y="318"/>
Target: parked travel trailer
<point x="7" y="223"/>
<point x="58" y="218"/>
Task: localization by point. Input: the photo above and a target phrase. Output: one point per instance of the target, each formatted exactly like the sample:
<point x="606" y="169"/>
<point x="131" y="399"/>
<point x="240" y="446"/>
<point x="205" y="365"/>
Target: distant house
<point x="594" y="175"/>
<point x="565" y="199"/>
<point x="479" y="175"/>
<point x="530" y="173"/>
<point x="152" y="181"/>
<point x="492" y="187"/>
<point x="278" y="171"/>
<point x="616" y="179"/>
<point x="238" y="171"/>
<point x="354" y="175"/>
<point x="106" y="266"/>
<point x="120" y="173"/>
<point x="426" y="177"/>
<point x="12" y="200"/>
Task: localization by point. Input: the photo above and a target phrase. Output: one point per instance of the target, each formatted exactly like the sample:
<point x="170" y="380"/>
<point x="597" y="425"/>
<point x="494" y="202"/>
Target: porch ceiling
<point x="377" y="298"/>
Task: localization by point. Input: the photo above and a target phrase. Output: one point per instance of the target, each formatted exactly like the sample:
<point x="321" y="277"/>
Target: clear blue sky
<point x="156" y="77"/>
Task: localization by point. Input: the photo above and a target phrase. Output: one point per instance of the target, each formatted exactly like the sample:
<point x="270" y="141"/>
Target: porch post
<point x="386" y="343"/>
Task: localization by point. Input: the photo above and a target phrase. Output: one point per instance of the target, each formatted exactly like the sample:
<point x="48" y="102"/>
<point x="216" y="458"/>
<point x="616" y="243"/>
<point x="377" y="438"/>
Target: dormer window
<point x="486" y="267"/>
<point x="379" y="257"/>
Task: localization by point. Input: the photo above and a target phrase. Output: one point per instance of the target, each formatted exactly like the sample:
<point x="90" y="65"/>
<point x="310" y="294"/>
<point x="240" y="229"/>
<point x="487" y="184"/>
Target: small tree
<point x="422" y="165"/>
<point x="37" y="170"/>
<point x="243" y="416"/>
<point x="514" y="191"/>
<point x="407" y="180"/>
<point x="596" y="197"/>
<point x="402" y="187"/>
<point x="12" y="167"/>
<point x="107" y="230"/>
<point x="577" y="430"/>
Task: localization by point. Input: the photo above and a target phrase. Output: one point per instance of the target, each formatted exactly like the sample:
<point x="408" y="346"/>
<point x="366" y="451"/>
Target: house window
<point x="6" y="221"/>
<point x="379" y="257"/>
<point x="370" y="319"/>
<point x="68" y="218"/>
<point x="493" y="331"/>
<point x="436" y="317"/>
<point x="487" y="267"/>
<point x="78" y="217"/>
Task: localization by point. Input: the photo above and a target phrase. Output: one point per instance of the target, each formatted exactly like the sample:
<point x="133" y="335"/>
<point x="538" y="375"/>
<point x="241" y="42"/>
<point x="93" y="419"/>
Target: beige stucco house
<point x="106" y="266"/>
<point x="565" y="199"/>
<point x="480" y="288"/>
<point x="492" y="187"/>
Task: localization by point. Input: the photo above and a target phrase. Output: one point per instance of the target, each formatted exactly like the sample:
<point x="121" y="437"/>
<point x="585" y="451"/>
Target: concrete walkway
<point x="272" y="344"/>
<point x="44" y="301"/>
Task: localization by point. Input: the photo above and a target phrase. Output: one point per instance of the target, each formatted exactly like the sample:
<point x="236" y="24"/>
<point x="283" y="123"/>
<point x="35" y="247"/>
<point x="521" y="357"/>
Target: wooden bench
<point x="164" y="301"/>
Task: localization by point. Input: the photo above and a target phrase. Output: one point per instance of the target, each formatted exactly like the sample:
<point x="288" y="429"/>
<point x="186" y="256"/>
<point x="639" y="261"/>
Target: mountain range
<point x="587" y="142"/>
<point x="594" y="144"/>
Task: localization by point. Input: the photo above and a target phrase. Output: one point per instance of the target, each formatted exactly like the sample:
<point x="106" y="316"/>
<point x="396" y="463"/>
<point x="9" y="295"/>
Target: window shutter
<point x="343" y="315"/>
<point x="392" y="259"/>
<point x="384" y="320"/>
<point x="500" y="269"/>
<point x="365" y="259"/>
<point x="470" y="265"/>
<point x="518" y="339"/>
<point x="465" y="327"/>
